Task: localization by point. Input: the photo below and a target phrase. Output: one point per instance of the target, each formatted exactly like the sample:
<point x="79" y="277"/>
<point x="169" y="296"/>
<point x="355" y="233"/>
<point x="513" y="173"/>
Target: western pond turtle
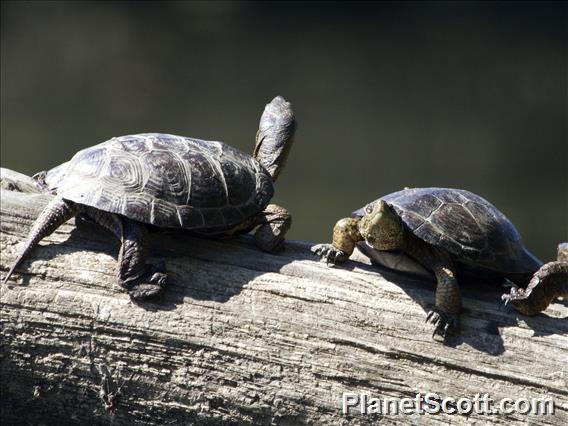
<point x="447" y="231"/>
<point x="168" y="181"/>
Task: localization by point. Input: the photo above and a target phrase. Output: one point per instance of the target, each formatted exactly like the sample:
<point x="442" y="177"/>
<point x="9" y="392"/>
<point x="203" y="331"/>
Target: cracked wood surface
<point x="247" y="337"/>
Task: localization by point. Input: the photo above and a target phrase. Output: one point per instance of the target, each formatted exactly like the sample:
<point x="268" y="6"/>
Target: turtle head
<point x="382" y="227"/>
<point x="275" y="135"/>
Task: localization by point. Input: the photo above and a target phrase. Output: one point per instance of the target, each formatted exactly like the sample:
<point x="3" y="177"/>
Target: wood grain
<point x="247" y="337"/>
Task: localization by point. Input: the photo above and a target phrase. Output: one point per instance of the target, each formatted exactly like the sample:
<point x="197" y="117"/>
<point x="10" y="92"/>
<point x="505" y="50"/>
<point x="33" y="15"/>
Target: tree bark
<point x="247" y="337"/>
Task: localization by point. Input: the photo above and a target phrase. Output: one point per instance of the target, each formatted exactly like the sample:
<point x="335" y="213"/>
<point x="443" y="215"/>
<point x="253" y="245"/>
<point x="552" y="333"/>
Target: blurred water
<point x="468" y="95"/>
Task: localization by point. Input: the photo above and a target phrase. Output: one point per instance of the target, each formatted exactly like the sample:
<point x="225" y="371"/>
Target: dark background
<point x="467" y="95"/>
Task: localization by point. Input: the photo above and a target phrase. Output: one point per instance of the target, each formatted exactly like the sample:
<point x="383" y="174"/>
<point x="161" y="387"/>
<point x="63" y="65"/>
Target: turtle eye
<point x="369" y="209"/>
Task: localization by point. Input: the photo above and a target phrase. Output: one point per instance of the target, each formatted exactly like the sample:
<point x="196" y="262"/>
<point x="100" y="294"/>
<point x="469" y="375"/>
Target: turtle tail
<point x="57" y="212"/>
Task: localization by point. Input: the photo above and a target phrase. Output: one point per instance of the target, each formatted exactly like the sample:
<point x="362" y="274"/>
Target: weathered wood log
<point x="247" y="337"/>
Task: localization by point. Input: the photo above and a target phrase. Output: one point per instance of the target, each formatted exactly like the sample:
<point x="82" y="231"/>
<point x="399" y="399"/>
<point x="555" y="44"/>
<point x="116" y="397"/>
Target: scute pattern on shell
<point x="463" y="223"/>
<point x="166" y="180"/>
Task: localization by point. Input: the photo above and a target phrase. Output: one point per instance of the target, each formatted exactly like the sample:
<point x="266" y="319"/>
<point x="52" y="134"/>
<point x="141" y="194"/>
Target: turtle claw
<point x="144" y="291"/>
<point x="329" y="253"/>
<point x="444" y="323"/>
<point x="508" y="297"/>
<point x="505" y="299"/>
<point x="150" y="288"/>
<point x="516" y="293"/>
<point x="514" y="298"/>
<point x="502" y="306"/>
<point x="430" y="316"/>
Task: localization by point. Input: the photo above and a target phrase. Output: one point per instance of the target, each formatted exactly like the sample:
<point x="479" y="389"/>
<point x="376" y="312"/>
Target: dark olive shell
<point x="465" y="224"/>
<point x="166" y="180"/>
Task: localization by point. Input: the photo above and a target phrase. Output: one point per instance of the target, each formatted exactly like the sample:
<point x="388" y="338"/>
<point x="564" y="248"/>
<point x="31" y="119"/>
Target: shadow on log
<point x="247" y="337"/>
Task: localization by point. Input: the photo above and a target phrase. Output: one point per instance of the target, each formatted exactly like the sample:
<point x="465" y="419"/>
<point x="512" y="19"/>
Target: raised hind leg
<point x="547" y="284"/>
<point x="56" y="213"/>
<point x="140" y="279"/>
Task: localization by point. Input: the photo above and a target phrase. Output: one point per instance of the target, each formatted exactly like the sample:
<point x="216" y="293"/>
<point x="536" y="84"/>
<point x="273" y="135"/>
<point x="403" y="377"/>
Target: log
<point x="248" y="337"/>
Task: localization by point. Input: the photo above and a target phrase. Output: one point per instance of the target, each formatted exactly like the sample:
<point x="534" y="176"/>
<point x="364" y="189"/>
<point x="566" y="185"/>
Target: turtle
<point x="132" y="184"/>
<point x="452" y="233"/>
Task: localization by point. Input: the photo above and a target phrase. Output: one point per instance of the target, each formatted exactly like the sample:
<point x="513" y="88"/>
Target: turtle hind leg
<point x="274" y="222"/>
<point x="56" y="213"/>
<point x="141" y="280"/>
<point x="548" y="283"/>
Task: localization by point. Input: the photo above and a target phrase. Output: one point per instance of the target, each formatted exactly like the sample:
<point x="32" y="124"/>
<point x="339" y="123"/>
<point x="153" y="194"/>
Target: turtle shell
<point x="166" y="180"/>
<point x="466" y="225"/>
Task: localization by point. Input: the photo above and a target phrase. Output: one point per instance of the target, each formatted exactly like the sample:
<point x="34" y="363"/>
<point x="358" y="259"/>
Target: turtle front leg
<point x="445" y="315"/>
<point x="345" y="236"/>
<point x="274" y="222"/>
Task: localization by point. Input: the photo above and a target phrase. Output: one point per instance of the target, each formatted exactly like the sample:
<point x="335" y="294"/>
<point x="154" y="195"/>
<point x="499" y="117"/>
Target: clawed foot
<point x="515" y="298"/>
<point x="151" y="285"/>
<point x="444" y="323"/>
<point x="329" y="253"/>
<point x="516" y="293"/>
<point x="509" y="297"/>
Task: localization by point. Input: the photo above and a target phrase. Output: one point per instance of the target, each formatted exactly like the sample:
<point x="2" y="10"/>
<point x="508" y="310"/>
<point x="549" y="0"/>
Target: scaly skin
<point x="547" y="284"/>
<point x="141" y="280"/>
<point x="55" y="214"/>
<point x="273" y="223"/>
<point x="345" y="236"/>
<point x="445" y="313"/>
<point x="383" y="230"/>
